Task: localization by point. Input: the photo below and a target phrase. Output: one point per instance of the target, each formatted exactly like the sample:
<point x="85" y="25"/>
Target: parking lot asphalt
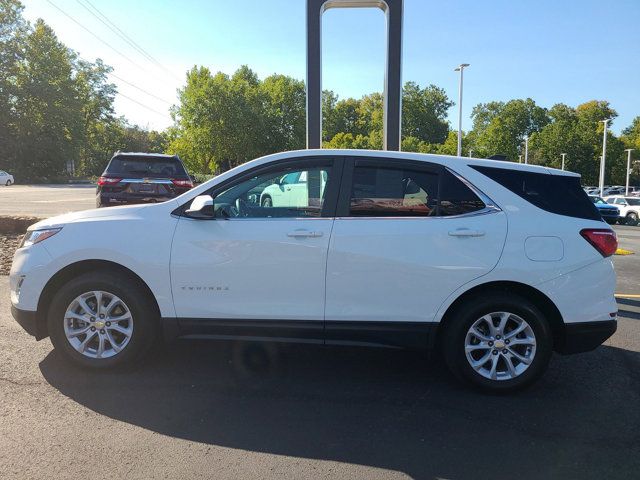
<point x="200" y="409"/>
<point x="237" y="410"/>
<point x="46" y="200"/>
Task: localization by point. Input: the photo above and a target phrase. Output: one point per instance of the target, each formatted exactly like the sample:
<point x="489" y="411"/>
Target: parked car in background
<point x="132" y="178"/>
<point x="629" y="208"/>
<point x="291" y="189"/>
<point x="608" y="191"/>
<point x="6" y="179"/>
<point x="493" y="264"/>
<point x="610" y="213"/>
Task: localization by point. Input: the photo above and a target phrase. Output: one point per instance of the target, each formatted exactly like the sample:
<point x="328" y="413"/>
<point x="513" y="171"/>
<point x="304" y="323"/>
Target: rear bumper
<point x="112" y="199"/>
<point x="29" y="321"/>
<point x="585" y="336"/>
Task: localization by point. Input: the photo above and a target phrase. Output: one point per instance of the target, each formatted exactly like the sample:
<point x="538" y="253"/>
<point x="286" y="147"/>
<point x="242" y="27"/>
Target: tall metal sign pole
<point x="603" y="158"/>
<point x="392" y="79"/>
<point x="626" y="188"/>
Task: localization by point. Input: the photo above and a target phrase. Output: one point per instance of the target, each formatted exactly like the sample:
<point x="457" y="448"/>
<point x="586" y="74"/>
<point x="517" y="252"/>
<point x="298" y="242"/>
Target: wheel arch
<point x="542" y="301"/>
<point x="73" y="270"/>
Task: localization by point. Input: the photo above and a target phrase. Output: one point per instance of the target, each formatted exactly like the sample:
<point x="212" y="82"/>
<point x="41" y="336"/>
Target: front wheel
<point x="498" y="342"/>
<point x="102" y="320"/>
<point x="9" y="183"/>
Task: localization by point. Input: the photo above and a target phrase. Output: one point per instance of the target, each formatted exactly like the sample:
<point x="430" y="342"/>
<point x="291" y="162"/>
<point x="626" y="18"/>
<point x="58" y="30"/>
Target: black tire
<point x="453" y="340"/>
<point x="9" y="183"/>
<point x="267" y="201"/>
<point x="632" y="219"/>
<point x="143" y="310"/>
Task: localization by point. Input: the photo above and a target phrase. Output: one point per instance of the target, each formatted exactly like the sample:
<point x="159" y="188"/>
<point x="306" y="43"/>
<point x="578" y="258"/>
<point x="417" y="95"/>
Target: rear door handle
<point x="465" y="232"/>
<point x="304" y="233"/>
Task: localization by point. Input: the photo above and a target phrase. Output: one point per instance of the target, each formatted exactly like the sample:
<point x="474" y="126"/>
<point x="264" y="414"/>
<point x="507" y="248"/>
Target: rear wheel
<point x="267" y="202"/>
<point x="9" y="182"/>
<point x="102" y="320"/>
<point x="632" y="218"/>
<point x="497" y="342"/>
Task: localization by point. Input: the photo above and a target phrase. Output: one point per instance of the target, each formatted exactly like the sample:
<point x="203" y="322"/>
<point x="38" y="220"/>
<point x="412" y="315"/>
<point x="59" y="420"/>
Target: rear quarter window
<point x="559" y="194"/>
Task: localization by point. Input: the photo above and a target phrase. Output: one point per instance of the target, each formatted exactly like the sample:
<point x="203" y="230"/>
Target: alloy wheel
<point x="98" y="324"/>
<point x="500" y="346"/>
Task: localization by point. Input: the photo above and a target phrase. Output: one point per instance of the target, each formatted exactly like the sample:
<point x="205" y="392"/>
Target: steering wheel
<point x="240" y="209"/>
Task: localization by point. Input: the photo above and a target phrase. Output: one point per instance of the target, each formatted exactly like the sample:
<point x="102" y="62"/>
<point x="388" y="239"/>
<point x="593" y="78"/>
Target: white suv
<point x="629" y="208"/>
<point x="485" y="260"/>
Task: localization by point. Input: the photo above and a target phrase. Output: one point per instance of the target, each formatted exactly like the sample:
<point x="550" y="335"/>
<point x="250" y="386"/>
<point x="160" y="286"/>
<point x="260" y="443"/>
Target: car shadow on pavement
<point x="383" y="408"/>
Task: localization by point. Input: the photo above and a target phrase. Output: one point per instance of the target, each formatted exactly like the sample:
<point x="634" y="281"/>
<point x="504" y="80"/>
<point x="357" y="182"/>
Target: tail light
<point x="603" y="240"/>
<point x="108" y="181"/>
<point x="182" y="183"/>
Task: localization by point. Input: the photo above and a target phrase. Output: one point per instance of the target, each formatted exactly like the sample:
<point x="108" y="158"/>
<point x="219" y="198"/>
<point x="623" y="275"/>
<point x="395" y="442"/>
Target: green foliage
<point x="500" y="128"/>
<point x="578" y="133"/>
<point x="56" y="108"/>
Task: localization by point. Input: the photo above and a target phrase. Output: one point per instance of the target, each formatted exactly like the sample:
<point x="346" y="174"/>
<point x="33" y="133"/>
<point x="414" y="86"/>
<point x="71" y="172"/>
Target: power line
<point x="119" y="53"/>
<point x="118" y="31"/>
<point x="93" y="34"/>
<point x="141" y="89"/>
<point x="143" y="105"/>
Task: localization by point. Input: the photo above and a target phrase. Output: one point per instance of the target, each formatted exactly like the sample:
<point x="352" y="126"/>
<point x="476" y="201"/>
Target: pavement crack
<point x="22" y="384"/>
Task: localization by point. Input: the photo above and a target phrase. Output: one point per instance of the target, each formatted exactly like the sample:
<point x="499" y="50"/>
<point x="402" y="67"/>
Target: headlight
<point x="36" y="236"/>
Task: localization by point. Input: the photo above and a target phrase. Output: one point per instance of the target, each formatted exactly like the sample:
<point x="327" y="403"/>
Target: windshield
<point x="597" y="200"/>
<point x="146" y="167"/>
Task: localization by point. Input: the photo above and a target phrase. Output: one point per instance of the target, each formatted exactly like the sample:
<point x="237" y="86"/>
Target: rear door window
<point x="390" y="192"/>
<point x="408" y="192"/>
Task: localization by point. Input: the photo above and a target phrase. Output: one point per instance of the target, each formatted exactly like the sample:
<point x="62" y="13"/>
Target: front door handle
<point x="304" y="233"/>
<point x="465" y="232"/>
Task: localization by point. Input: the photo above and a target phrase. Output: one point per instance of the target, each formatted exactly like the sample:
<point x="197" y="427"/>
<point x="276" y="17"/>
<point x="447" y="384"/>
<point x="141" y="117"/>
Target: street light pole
<point x="628" y="150"/>
<point x="563" y="155"/>
<point x="526" y="150"/>
<point x="460" y="69"/>
<point x="603" y="159"/>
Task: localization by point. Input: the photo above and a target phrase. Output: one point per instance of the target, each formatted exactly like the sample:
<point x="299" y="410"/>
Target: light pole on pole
<point x="460" y="69"/>
<point x="603" y="159"/>
<point x="628" y="150"/>
<point x="526" y="150"/>
<point x="563" y="155"/>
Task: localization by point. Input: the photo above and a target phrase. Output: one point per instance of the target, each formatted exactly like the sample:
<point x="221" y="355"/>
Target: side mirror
<point x="201" y="207"/>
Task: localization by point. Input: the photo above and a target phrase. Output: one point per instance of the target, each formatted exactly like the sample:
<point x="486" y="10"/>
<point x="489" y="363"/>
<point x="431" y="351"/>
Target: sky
<point x="568" y="51"/>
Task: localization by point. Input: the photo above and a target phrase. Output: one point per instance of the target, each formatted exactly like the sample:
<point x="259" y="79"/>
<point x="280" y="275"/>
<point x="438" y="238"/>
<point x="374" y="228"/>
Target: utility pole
<point x="603" y="159"/>
<point x="526" y="150"/>
<point x="628" y="150"/>
<point x="460" y="69"/>
<point x="563" y="155"/>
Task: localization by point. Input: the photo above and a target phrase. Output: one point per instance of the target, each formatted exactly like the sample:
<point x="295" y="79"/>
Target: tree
<point x="13" y="32"/>
<point x="424" y="113"/>
<point x="49" y="109"/>
<point x="500" y="128"/>
<point x="285" y="112"/>
<point x="578" y="133"/>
